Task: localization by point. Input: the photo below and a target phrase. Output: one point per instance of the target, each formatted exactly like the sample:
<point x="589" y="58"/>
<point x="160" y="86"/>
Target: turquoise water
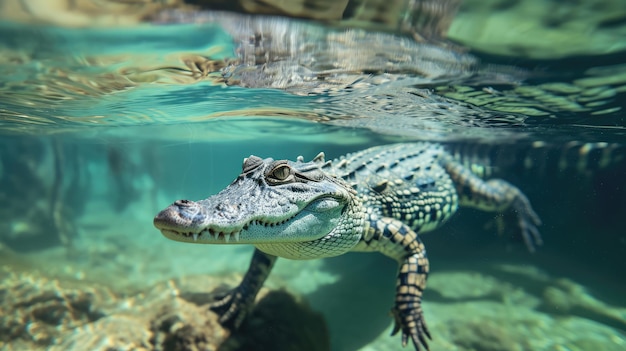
<point x="102" y="128"/>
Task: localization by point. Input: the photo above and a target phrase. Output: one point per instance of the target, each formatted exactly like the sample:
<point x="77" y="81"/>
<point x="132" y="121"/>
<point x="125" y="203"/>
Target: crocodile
<point x="378" y="200"/>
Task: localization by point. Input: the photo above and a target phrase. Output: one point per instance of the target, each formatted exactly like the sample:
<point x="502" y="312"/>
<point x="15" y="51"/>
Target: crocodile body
<point x="379" y="199"/>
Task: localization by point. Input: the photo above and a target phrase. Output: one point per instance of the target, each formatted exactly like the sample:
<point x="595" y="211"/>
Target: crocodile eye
<point x="281" y="172"/>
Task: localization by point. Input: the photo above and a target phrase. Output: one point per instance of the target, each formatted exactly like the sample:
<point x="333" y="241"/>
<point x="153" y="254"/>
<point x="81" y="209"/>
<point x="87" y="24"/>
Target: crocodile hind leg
<point x="396" y="240"/>
<point x="234" y="305"/>
<point x="496" y="195"/>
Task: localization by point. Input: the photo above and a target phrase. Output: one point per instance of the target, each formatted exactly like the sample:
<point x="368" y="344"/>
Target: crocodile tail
<point x="538" y="157"/>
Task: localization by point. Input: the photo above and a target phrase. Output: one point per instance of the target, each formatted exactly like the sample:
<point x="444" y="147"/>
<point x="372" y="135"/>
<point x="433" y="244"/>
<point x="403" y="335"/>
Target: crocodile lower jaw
<point x="204" y="236"/>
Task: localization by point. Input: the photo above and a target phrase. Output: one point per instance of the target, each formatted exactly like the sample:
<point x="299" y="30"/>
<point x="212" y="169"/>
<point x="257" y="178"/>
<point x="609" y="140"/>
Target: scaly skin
<point x="379" y="199"/>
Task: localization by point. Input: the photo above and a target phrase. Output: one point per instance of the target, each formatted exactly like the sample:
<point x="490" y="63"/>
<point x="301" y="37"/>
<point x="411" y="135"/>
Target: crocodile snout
<point x="179" y="214"/>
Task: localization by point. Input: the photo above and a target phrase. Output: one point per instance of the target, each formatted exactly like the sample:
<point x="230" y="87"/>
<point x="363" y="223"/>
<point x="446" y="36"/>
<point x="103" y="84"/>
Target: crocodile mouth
<point x="214" y="234"/>
<point x="210" y="235"/>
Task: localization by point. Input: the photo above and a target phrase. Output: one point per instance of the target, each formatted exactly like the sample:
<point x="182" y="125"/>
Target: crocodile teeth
<point x="211" y="233"/>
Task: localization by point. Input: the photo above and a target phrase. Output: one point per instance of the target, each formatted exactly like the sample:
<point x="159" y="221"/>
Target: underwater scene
<point x="317" y="150"/>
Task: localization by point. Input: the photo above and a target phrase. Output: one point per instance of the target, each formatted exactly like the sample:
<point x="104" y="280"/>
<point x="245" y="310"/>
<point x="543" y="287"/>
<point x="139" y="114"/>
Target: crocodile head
<point x="288" y="209"/>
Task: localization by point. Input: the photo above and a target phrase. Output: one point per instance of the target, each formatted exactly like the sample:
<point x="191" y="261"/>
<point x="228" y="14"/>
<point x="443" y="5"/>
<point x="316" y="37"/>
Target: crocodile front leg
<point x="234" y="305"/>
<point x="396" y="240"/>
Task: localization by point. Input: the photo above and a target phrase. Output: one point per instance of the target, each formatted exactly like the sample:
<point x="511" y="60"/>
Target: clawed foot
<point x="528" y="222"/>
<point x="232" y="308"/>
<point x="410" y="319"/>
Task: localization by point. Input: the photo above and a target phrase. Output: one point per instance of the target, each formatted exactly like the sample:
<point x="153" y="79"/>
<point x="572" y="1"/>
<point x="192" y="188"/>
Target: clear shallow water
<point x="102" y="128"/>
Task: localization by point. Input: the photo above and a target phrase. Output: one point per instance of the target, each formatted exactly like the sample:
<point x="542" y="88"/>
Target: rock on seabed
<point x="40" y="313"/>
